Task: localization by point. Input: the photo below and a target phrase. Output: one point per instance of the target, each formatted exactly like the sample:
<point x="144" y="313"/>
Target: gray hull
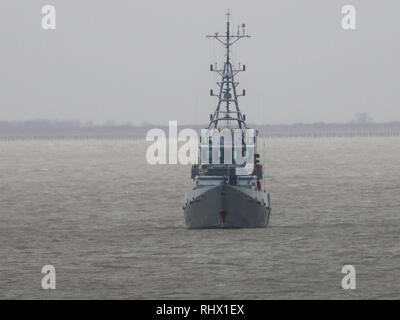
<point x="226" y="206"/>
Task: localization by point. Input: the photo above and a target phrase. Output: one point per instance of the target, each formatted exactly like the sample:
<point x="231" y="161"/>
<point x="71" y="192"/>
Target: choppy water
<point x="113" y="225"/>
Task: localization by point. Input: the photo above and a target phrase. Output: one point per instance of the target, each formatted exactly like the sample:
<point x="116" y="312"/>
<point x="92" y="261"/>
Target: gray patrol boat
<point x="228" y="177"/>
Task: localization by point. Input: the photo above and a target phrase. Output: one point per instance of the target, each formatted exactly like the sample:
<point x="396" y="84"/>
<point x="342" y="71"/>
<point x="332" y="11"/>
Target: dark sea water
<point x="113" y="226"/>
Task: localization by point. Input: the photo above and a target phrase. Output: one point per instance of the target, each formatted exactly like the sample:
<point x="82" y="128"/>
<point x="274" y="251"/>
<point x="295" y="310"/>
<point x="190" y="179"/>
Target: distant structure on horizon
<point x="362" y="118"/>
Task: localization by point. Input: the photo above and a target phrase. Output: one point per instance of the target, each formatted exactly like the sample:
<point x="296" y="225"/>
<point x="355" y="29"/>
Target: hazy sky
<point x="135" y="61"/>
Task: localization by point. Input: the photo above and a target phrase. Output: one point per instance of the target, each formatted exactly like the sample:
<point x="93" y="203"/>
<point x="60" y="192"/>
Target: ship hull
<point x="226" y="206"/>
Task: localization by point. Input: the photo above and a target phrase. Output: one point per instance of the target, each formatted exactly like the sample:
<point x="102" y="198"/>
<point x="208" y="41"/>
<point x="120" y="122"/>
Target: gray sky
<point x="135" y="61"/>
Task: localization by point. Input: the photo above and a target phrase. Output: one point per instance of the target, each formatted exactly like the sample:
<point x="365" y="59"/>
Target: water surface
<point x="113" y="226"/>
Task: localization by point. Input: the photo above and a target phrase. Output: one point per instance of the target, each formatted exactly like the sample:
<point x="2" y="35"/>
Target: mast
<point x="227" y="86"/>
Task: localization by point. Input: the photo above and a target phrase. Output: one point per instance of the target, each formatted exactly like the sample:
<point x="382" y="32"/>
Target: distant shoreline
<point x="43" y="129"/>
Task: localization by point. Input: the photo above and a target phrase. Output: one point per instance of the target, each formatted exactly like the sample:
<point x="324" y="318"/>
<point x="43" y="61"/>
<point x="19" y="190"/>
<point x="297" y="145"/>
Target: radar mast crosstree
<point x="227" y="86"/>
